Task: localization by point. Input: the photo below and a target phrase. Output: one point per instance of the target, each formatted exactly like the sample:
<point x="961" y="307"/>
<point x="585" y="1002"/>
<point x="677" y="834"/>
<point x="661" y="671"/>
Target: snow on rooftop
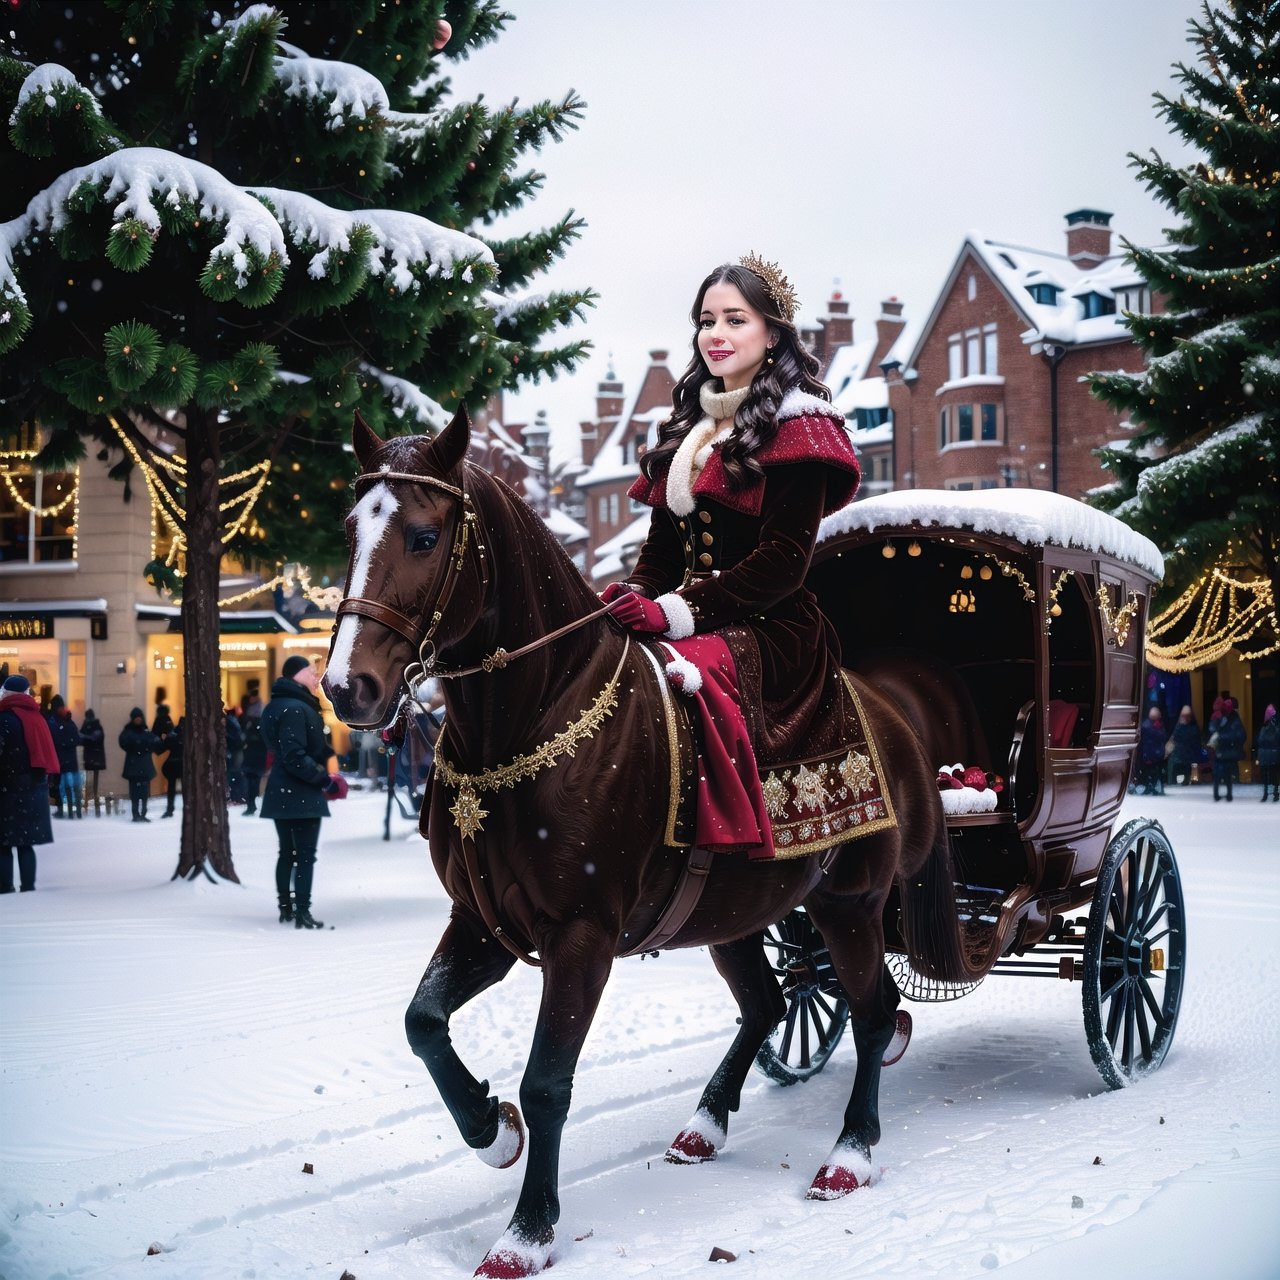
<point x="627" y="538"/>
<point x="1031" y="516"/>
<point x="564" y="526"/>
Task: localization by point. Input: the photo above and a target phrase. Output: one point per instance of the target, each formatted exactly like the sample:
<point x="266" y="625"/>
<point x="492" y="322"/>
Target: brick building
<point x="611" y="448"/>
<point x="852" y="369"/>
<point x="989" y="392"/>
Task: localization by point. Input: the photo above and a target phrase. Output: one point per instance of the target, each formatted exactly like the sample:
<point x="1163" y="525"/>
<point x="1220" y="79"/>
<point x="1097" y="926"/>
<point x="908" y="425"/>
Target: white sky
<point x="850" y="140"/>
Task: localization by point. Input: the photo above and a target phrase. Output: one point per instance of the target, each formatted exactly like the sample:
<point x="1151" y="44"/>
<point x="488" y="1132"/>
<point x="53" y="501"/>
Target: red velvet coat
<point x="739" y="561"/>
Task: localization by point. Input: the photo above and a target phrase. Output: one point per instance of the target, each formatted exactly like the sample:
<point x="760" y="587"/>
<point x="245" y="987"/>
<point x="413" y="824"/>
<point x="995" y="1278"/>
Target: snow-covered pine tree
<point x="234" y="223"/>
<point x="1199" y="475"/>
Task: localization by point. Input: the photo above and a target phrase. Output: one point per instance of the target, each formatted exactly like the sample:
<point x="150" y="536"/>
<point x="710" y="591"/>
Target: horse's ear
<point x="450" y="446"/>
<point x="363" y="440"/>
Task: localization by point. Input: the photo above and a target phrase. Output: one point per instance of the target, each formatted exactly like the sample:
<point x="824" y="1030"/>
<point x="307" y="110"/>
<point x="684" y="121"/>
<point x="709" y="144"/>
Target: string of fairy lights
<point x="1229" y="613"/>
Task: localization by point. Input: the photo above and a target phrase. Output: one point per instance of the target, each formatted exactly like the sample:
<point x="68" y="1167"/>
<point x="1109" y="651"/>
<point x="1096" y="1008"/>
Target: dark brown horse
<point x="554" y="798"/>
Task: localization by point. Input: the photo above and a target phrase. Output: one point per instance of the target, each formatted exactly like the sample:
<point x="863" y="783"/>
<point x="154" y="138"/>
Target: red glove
<point x="614" y="590"/>
<point x="640" y="613"/>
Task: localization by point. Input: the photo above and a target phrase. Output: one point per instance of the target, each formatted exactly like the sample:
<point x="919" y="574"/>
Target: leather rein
<point x="466" y="530"/>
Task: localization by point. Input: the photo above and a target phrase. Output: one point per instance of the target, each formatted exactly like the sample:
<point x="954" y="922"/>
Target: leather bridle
<point x="466" y="530"/>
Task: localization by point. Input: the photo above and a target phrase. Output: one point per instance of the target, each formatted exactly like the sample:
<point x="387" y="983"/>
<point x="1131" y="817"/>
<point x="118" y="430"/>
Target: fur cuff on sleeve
<point x="679" y="617"/>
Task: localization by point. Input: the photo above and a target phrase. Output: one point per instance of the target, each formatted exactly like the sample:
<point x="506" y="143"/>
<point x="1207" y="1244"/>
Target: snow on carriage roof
<point x="1031" y="516"/>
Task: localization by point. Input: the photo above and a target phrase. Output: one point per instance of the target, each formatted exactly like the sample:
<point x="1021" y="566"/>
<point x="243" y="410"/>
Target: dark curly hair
<point x="756" y="422"/>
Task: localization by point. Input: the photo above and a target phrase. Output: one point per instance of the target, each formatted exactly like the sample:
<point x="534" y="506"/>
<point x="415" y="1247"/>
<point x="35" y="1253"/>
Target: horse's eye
<point x="424" y="539"/>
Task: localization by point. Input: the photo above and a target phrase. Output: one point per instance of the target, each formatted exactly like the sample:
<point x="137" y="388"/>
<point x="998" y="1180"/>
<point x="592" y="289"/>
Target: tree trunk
<point x="206" y="832"/>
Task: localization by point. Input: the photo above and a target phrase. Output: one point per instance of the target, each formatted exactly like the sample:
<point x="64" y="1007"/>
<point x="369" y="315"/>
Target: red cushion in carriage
<point x="1062" y="722"/>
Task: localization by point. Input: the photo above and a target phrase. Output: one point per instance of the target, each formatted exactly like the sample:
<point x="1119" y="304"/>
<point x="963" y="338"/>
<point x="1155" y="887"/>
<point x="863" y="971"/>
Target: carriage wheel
<point x="799" y="1046"/>
<point x="1135" y="953"/>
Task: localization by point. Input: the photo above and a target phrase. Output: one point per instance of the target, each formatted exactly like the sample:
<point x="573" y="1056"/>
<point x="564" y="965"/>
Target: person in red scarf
<point x="752" y="458"/>
<point x="27" y="761"/>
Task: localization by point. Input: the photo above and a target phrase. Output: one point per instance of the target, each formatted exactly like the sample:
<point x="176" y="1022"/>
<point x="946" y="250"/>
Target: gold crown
<point x="776" y="284"/>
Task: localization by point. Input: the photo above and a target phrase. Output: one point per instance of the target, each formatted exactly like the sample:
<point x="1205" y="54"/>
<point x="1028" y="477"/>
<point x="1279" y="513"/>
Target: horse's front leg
<point x="467" y="961"/>
<point x="576" y="961"/>
<point x="745" y="967"/>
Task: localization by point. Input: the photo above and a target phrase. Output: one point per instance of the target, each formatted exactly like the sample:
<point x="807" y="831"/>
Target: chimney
<point x="537" y="444"/>
<point x="608" y="407"/>
<point x="837" y="325"/>
<point x="888" y="328"/>
<point x="1088" y="238"/>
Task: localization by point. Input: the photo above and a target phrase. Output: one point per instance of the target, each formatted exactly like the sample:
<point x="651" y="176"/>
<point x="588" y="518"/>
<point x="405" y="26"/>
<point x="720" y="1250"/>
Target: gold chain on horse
<point x="468" y="816"/>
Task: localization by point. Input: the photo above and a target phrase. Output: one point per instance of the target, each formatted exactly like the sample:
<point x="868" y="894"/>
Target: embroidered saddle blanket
<point x="750" y="798"/>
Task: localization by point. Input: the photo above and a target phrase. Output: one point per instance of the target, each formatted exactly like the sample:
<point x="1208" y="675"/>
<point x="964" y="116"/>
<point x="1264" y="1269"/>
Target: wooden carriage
<point x="1009" y="626"/>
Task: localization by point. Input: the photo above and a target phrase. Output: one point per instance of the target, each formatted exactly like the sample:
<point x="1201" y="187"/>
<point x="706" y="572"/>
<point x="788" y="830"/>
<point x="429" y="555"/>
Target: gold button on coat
<point x="704" y="516"/>
<point x="704" y="558"/>
<point x="707" y="539"/>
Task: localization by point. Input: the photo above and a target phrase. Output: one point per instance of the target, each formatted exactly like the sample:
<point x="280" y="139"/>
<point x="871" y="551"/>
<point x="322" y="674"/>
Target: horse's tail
<point x="930" y="925"/>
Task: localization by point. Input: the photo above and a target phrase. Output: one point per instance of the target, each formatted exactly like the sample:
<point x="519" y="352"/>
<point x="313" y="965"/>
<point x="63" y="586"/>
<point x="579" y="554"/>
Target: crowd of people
<point x="1174" y="756"/>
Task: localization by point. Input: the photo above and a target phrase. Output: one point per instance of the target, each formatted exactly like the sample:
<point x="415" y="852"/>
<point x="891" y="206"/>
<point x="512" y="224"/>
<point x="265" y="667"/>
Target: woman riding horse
<point x="557" y="722"/>
<point x="750" y="461"/>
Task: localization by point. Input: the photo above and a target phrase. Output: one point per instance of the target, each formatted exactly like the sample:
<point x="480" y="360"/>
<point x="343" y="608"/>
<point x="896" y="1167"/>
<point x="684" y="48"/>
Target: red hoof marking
<point x="502" y="1265"/>
<point x="833" y="1182"/>
<point x="901" y="1038"/>
<point x="690" y="1148"/>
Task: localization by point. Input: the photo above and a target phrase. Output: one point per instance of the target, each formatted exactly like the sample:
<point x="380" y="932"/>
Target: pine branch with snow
<point x="1199" y="471"/>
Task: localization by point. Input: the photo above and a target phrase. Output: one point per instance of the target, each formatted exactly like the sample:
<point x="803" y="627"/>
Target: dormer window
<point x="1044" y="293"/>
<point x="1095" y="304"/>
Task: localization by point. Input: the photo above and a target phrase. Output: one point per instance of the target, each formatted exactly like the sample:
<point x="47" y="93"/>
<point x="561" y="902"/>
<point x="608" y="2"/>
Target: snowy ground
<point x="171" y="1057"/>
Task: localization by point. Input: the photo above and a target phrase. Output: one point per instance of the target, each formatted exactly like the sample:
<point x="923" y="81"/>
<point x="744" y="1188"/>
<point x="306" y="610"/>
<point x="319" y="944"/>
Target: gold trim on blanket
<point x="672" y="836"/>
<point x="814" y="804"/>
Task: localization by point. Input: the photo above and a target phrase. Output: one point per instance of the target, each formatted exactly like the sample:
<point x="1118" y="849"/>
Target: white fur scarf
<point x="695" y="449"/>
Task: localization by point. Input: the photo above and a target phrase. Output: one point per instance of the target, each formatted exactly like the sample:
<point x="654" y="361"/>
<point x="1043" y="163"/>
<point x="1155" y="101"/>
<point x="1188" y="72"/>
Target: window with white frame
<point x="972" y="353"/>
<point x="1135" y="298"/>
<point x="990" y="360"/>
<point x="964" y="424"/>
<point x="37" y="515"/>
<point x="613" y="508"/>
<point x="955" y="358"/>
<point x="602" y="509"/>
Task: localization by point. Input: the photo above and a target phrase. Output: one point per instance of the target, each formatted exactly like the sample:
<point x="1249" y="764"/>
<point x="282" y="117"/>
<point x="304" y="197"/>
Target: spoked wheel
<point x="1135" y="952"/>
<point x="799" y="1046"/>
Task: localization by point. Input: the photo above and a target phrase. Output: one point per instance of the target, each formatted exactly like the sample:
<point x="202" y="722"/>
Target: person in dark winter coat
<point x="66" y="742"/>
<point x="1151" y="741"/>
<point x="93" y="738"/>
<point x="255" y="753"/>
<point x="139" y="744"/>
<point x="27" y="761"/>
<point x="172" y="767"/>
<point x="1226" y="740"/>
<point x="297" y="785"/>
<point x="1266" y="748"/>
<point x="1186" y="747"/>
<point x="235" y="758"/>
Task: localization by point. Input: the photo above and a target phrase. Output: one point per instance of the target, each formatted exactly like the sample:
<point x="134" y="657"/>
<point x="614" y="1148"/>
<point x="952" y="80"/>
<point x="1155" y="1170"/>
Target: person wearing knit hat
<point x="1266" y="749"/>
<point x="139" y="745"/>
<point x="1226" y="741"/>
<point x="27" y="761"/>
<point x="297" y="785"/>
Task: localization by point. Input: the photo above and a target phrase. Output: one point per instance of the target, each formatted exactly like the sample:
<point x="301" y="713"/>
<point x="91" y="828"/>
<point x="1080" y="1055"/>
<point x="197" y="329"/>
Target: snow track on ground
<point x="172" y="1058"/>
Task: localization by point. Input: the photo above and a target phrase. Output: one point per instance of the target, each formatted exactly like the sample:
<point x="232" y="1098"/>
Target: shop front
<point x="51" y="642"/>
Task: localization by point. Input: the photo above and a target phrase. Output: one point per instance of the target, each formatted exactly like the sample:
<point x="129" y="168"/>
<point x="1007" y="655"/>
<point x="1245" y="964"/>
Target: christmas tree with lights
<point x="1198" y="473"/>
<point x="229" y="226"/>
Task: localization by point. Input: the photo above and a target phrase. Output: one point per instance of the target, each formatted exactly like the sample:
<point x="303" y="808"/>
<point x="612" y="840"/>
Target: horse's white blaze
<point x="372" y="515"/>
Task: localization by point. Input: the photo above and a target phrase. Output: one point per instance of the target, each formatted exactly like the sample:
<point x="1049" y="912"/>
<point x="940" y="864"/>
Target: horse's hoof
<point x="846" y="1170"/>
<point x="513" y="1257"/>
<point x="506" y="1148"/>
<point x="698" y="1142"/>
<point x="690" y="1148"/>
<point x="901" y="1038"/>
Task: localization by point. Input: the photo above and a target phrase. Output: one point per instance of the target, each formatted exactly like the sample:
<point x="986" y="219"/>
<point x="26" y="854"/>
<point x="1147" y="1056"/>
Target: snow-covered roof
<point x="608" y="463"/>
<point x="631" y="536"/>
<point x="564" y="526"/>
<point x="1035" y="517"/>
<point x="866" y="393"/>
<point x="905" y="343"/>
<point x="848" y="365"/>
<point x="867" y="437"/>
<point x="1015" y="268"/>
